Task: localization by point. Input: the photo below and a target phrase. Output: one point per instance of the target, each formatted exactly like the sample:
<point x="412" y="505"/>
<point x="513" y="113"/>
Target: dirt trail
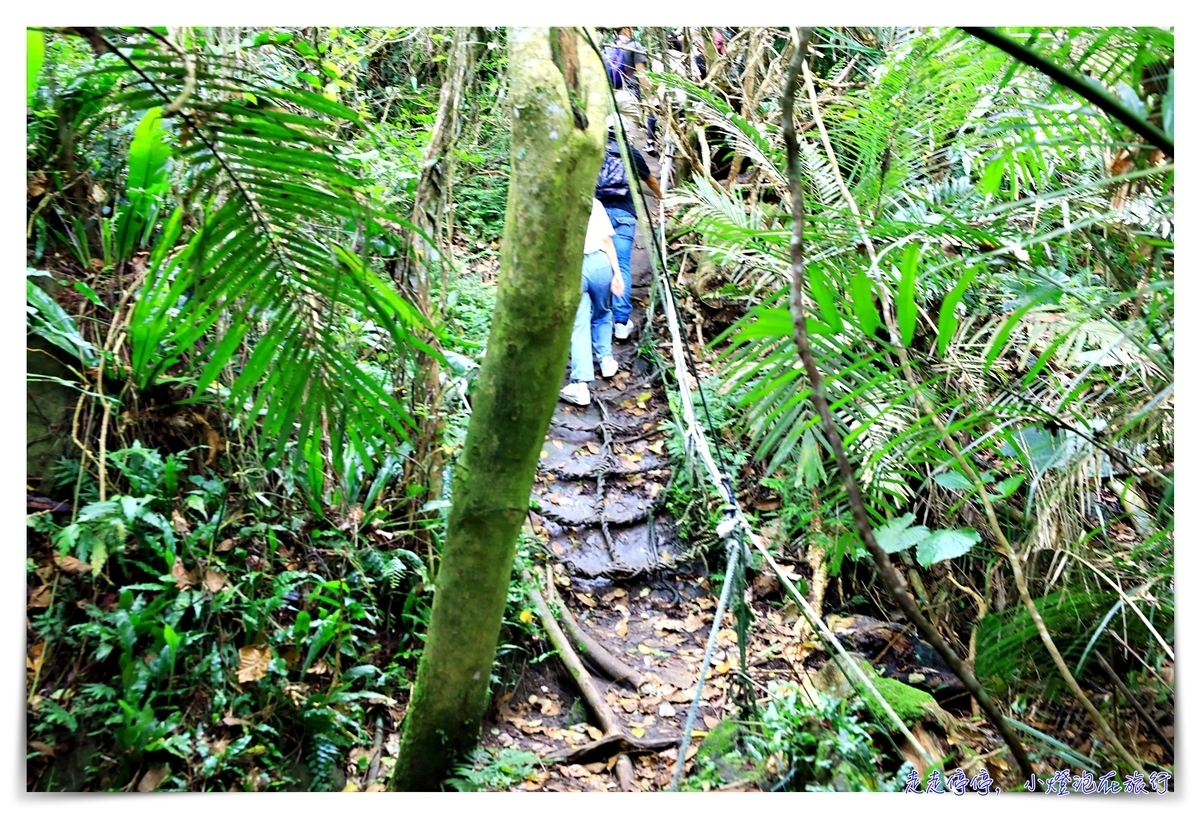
<point x="617" y="562"/>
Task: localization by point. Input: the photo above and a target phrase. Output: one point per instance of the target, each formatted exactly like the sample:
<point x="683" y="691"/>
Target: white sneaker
<point x="622" y="331"/>
<point x="608" y="367"/>
<point x="576" y="393"/>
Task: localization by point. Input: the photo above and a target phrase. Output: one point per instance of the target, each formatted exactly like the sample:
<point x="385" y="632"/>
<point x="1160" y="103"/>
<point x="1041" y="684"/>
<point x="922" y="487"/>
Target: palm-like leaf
<point x="991" y="169"/>
<point x="255" y="294"/>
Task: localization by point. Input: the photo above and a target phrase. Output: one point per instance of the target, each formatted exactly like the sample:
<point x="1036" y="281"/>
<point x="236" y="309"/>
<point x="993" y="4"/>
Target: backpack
<point x="612" y="182"/>
<point x="614" y="65"/>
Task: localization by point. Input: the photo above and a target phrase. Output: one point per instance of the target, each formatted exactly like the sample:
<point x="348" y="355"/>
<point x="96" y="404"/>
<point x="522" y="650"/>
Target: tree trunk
<point x="556" y="154"/>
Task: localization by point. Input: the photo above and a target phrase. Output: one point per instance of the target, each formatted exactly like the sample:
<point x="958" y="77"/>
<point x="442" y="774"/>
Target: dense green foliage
<point x="229" y="573"/>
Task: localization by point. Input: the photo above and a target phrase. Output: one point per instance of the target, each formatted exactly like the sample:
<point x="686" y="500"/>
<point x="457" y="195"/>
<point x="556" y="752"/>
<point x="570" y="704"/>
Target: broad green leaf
<point x="946" y="545"/>
<point x="952" y="480"/>
<point x="147" y="178"/>
<point x="35" y="55"/>
<point x="818" y="285"/>
<point x="811" y="469"/>
<point x="1007" y="486"/>
<point x="47" y="319"/>
<point x="992" y="176"/>
<point x="148" y="153"/>
<point x="947" y="318"/>
<point x="89" y="294"/>
<point x="906" y="299"/>
<point x="862" y="293"/>
<point x="896" y="535"/>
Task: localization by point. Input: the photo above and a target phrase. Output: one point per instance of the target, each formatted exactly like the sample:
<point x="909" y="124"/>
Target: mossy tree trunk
<point x="558" y="110"/>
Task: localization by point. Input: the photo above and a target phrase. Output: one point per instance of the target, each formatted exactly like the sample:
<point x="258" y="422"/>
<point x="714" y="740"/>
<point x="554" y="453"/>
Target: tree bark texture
<point x="557" y="146"/>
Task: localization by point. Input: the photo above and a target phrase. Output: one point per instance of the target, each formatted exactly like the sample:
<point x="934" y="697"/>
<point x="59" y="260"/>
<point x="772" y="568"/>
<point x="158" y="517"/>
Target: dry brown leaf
<point x="319" y="668"/>
<point x="225" y="545"/>
<point x="153" y="778"/>
<point x="41" y="747"/>
<point x="595" y="732"/>
<point x="40" y="598"/>
<point x="35" y="184"/>
<point x="656" y="447"/>
<point x="592" y="447"/>
<point x="254" y="660"/>
<point x="34" y="656"/>
<point x="214" y="580"/>
<point x="183" y="577"/>
<point x="622" y="628"/>
<point x="298" y="693"/>
<point x="72" y="565"/>
<point x="179" y="523"/>
<point x="586" y="599"/>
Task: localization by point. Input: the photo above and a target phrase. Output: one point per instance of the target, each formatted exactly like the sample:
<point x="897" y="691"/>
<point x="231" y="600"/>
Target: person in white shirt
<point x="592" y="334"/>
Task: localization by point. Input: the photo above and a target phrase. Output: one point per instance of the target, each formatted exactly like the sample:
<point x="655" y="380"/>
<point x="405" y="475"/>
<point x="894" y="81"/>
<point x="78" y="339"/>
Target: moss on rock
<point x="910" y="704"/>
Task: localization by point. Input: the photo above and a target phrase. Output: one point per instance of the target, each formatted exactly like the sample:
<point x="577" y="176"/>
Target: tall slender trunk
<point x="558" y="109"/>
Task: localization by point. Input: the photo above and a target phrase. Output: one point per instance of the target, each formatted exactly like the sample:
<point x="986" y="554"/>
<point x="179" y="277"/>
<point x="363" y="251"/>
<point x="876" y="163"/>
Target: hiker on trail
<point x="615" y="193"/>
<point x="625" y="63"/>
<point x="593" y="330"/>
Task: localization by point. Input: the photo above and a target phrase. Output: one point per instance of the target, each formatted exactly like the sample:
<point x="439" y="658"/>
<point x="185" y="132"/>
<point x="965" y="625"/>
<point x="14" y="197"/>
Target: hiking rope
<point x="734" y="529"/>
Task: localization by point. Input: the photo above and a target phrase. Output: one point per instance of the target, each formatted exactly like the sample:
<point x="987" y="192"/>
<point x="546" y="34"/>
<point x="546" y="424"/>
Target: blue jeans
<point x="592" y="333"/>
<point x="624" y="223"/>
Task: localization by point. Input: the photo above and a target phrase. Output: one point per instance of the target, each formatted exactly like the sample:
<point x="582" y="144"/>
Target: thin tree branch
<point x="1097" y="96"/>
<point x="892" y="578"/>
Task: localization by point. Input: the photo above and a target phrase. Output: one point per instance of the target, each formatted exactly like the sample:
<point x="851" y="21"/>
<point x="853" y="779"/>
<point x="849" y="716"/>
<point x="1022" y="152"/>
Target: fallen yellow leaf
<point x="253" y="662"/>
<point x="153" y="778"/>
<point x="638" y="732"/>
<point x="526" y="616"/>
<point x="72" y="565"/>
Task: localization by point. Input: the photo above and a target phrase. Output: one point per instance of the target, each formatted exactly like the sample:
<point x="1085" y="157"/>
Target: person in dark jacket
<point x="617" y="199"/>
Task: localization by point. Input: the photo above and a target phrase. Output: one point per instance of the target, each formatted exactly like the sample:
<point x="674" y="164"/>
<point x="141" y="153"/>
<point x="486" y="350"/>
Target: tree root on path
<point x="587" y="687"/>
<point x="594" y="520"/>
<point x="603" y="748"/>
<point x="597" y="654"/>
